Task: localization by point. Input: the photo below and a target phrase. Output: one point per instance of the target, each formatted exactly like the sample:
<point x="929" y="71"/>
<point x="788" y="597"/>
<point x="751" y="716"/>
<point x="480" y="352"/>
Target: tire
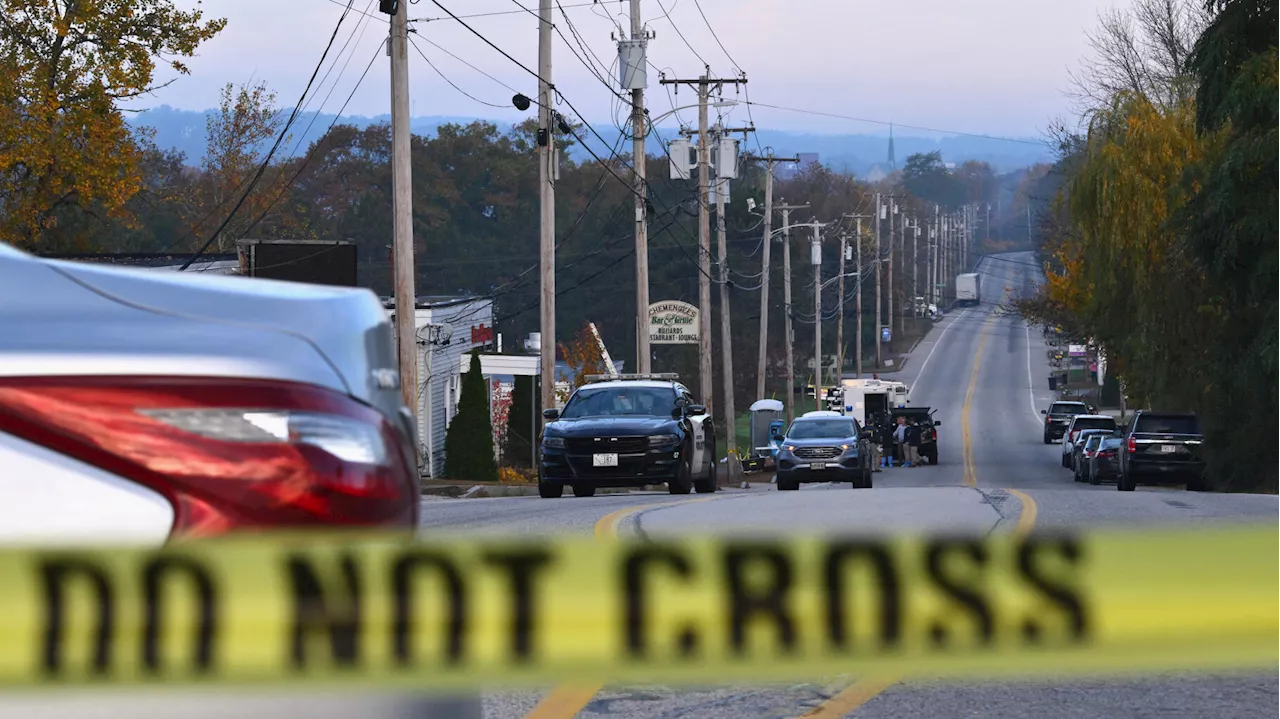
<point x="549" y="490"/>
<point x="1075" y="471"/>
<point x="682" y="483"/>
<point x="1196" y="484"/>
<point x="1066" y="464"/>
<point x="785" y="485"/>
<point x="1094" y="479"/>
<point x="1048" y="439"/>
<point x="708" y="484"/>
<point x="933" y="456"/>
<point x="584" y="490"/>
<point x="1125" y="482"/>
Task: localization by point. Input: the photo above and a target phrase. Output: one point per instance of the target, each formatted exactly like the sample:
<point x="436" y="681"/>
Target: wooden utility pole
<point x="915" y="266"/>
<point x="705" y="84"/>
<point x="893" y="210"/>
<point x="546" y="206"/>
<point x="840" y="313"/>
<point x="402" y="215"/>
<point x="815" y="258"/>
<point x="879" y="213"/>
<point x="638" y="159"/>
<point x="762" y="361"/>
<point x="726" y="322"/>
<point x="857" y="352"/>
<point x="787" y="327"/>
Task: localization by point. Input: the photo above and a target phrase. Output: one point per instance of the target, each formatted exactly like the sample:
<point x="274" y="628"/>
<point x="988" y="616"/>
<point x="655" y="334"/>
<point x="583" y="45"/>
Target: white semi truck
<point x="968" y="288"/>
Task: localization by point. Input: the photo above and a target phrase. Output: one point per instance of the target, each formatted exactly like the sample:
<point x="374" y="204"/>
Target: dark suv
<point x="1162" y="447"/>
<point x="1059" y="416"/>
<point x="628" y="431"/>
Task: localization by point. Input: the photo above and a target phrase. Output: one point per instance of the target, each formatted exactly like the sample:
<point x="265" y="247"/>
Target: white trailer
<point x="968" y="288"/>
<point x="863" y="398"/>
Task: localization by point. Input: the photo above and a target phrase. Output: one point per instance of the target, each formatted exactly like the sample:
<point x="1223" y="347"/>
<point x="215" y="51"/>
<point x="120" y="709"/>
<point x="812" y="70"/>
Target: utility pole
<point x="893" y="210"/>
<point x="879" y="324"/>
<point x="933" y="259"/>
<point x="704" y="84"/>
<point x="636" y="73"/>
<point x="857" y="352"/>
<point x="402" y="214"/>
<point x="726" y="323"/>
<point x="763" y="359"/>
<point x="546" y="207"/>
<point x="815" y="258"/>
<point x="915" y="264"/>
<point x="840" y="314"/>
<point x="786" y="305"/>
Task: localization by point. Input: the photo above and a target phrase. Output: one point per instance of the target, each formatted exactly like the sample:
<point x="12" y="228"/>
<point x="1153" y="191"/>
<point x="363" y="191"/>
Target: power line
<point x="446" y="79"/>
<point x="267" y="160"/>
<point x="491" y="14"/>
<point x="674" y="26"/>
<point x="717" y="37"/>
<point x="897" y="124"/>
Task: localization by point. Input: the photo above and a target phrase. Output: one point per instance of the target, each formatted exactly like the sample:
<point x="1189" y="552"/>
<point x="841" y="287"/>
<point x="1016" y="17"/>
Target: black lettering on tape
<point x="839" y="556"/>
<point x="746" y="603"/>
<point x="521" y="566"/>
<point x="55" y="573"/>
<point x="402" y="575"/>
<point x="966" y="595"/>
<point x="314" y="612"/>
<point x="638" y="563"/>
<point x="1058" y="592"/>
<point x="198" y="578"/>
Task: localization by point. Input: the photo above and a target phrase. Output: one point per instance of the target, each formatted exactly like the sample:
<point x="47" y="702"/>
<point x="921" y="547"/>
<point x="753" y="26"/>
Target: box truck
<point x="967" y="289"/>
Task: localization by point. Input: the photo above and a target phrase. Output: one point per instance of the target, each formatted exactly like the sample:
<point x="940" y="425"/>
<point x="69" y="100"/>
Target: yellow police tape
<point x="467" y="612"/>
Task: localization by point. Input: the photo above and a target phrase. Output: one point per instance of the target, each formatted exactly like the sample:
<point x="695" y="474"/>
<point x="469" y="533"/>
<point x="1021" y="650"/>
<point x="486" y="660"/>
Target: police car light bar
<point x="616" y="377"/>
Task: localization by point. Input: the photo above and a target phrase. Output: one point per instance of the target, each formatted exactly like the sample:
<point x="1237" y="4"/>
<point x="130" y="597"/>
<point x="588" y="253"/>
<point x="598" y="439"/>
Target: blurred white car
<point x="143" y="405"/>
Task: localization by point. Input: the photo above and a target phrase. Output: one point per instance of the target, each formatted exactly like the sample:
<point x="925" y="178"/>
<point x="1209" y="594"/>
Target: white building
<point x="447" y="329"/>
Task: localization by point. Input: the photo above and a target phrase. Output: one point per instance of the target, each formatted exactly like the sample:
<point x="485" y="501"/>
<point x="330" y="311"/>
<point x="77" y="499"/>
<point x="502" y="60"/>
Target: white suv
<point x="1078" y="424"/>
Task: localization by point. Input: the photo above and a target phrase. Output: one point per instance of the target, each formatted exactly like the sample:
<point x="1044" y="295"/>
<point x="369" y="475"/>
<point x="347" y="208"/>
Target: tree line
<point x="1162" y="242"/>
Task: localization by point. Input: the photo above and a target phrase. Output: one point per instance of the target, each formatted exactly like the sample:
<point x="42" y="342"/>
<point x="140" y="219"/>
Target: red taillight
<point x="228" y="454"/>
<point x="1132" y="446"/>
<point x="1107" y="453"/>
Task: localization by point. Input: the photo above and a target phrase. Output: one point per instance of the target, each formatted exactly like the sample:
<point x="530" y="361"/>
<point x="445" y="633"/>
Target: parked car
<point x="1086" y="444"/>
<point x="1104" y="464"/>
<point x="1059" y="416"/>
<point x="628" y="431"/>
<point x="1162" y="447"/>
<point x="143" y="405"/>
<point x="1080" y="423"/>
<point x="823" y="448"/>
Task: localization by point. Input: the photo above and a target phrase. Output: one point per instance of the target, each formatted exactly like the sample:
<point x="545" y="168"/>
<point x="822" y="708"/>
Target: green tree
<point x="926" y="176"/>
<point x="64" y="67"/>
<point x="522" y="421"/>
<point x="468" y="444"/>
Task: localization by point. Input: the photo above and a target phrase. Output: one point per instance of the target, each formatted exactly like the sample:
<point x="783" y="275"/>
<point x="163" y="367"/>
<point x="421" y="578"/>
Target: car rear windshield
<point x="822" y="429"/>
<point x="621" y="402"/>
<point x="1167" y="424"/>
<point x="1068" y="408"/>
<point x="1094" y="423"/>
<point x="1093" y="441"/>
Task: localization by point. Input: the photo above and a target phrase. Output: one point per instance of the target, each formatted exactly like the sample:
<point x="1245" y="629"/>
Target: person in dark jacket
<point x="887" y="443"/>
<point x="913" y="444"/>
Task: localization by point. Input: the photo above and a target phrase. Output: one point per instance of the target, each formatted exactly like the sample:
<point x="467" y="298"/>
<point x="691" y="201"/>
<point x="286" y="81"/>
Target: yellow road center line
<point x="970" y="473"/>
<point x="566" y="701"/>
<point x="1027" y="517"/>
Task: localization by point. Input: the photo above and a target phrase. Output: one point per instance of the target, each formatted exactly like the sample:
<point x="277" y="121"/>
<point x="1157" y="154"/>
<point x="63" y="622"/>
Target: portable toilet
<point x="764" y="413"/>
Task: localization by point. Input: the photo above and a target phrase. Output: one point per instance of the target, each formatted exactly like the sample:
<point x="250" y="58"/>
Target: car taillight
<point x="1106" y="453"/>
<point x="1132" y="446"/>
<point x="228" y="454"/>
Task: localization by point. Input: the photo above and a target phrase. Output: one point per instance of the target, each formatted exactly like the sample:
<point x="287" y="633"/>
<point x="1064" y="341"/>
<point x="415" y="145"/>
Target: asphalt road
<point x="986" y="374"/>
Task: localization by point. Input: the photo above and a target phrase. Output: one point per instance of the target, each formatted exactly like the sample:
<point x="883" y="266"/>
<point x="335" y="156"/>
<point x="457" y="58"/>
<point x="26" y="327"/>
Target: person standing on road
<point x="886" y="441"/>
<point x="877" y="453"/>
<point x="900" y="441"/>
<point x="913" y="444"/>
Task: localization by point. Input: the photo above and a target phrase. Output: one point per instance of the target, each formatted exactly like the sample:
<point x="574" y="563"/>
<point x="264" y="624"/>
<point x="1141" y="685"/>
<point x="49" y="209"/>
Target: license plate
<point x="816" y="465"/>
<point x="1168" y="449"/>
<point x="604" y="460"/>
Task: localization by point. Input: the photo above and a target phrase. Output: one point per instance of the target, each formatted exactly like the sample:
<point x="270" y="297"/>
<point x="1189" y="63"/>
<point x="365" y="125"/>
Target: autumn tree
<point x="64" y="68"/>
<point x="583" y="356"/>
<point x="238" y="137"/>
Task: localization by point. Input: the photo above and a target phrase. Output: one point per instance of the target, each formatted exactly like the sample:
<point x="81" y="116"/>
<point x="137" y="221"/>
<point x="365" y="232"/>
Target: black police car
<point x="628" y="431"/>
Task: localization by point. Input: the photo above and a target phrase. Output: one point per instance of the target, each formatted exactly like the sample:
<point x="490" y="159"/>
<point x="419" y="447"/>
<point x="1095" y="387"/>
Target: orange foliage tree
<point x="583" y="356"/>
<point x="64" y="67"/>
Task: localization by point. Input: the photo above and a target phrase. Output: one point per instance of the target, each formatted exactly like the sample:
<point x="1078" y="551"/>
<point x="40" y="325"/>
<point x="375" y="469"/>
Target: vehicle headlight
<point x="789" y="447"/>
<point x="663" y="440"/>
<point x="848" y="447"/>
<point x="553" y="442"/>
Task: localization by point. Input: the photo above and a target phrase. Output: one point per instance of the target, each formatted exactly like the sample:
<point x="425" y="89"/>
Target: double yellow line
<point x="966" y="436"/>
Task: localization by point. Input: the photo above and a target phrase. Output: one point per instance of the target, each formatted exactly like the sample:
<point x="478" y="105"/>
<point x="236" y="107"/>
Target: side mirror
<point x="777" y="436"/>
<point x="677" y="413"/>
<point x="866" y="434"/>
<point x="937" y="423"/>
<point x="551" y="413"/>
<point x="695" y="409"/>
<point x="1044" y="411"/>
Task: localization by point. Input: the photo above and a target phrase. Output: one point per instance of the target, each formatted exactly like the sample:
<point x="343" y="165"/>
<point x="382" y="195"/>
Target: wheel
<point x="1196" y="484"/>
<point x="787" y="485"/>
<point x="1075" y="471"/>
<point x="682" y="483"/>
<point x="933" y="456"/>
<point x="549" y="490"/>
<point x="710" y="483"/>
<point x="1094" y="479"/>
<point x="1125" y="482"/>
<point x="584" y="490"/>
<point x="1066" y="463"/>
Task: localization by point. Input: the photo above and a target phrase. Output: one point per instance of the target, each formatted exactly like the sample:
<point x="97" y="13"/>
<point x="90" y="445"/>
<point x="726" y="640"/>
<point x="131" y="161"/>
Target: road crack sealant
<point x="998" y="499"/>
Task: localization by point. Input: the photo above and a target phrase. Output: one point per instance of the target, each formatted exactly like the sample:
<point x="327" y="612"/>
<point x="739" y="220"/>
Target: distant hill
<point x="860" y="154"/>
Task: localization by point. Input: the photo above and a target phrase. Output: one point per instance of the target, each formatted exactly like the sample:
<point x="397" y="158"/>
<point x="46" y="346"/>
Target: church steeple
<point x="893" y="164"/>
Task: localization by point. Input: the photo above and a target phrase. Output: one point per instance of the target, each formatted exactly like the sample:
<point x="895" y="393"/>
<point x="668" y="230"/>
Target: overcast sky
<point x="997" y="66"/>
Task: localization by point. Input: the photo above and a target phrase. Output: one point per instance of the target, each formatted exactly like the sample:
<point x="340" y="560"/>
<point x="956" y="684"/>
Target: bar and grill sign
<point x="672" y="322"/>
